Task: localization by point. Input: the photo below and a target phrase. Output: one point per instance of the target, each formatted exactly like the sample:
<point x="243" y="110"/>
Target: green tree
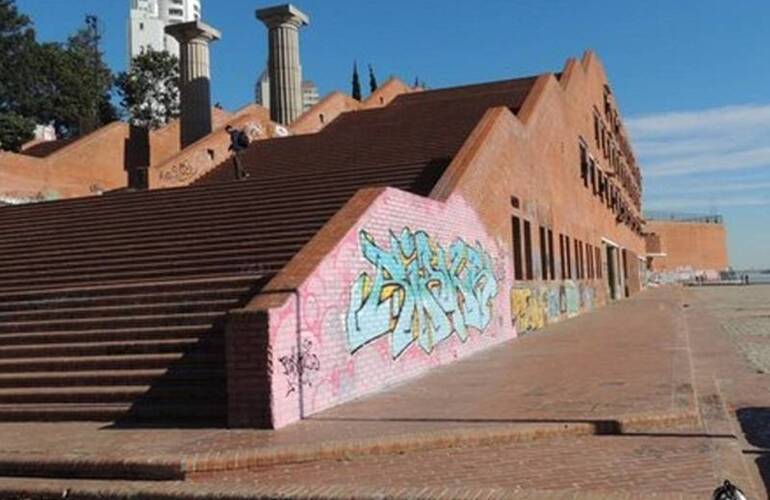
<point x="88" y="79"/>
<point x="149" y="90"/>
<point x="356" y="91"/>
<point x="372" y="79"/>
<point x="15" y="130"/>
<point x="17" y="41"/>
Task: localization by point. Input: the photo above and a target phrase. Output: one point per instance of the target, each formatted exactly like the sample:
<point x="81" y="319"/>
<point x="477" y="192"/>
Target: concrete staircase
<point x="113" y="307"/>
<point x="134" y="353"/>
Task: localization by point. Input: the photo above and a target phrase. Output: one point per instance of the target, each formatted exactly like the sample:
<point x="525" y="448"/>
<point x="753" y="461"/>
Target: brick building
<point x="383" y="241"/>
<point x="683" y="246"/>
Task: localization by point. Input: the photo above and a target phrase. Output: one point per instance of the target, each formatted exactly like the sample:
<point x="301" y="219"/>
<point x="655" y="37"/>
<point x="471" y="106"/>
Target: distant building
<point x="148" y="19"/>
<point x="682" y="246"/>
<point x="310" y="94"/>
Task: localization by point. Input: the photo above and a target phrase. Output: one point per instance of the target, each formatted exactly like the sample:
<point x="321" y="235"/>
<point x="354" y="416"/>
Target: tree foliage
<point x="67" y="84"/>
<point x="372" y="80"/>
<point x="356" y="90"/>
<point x="149" y="90"/>
<point x="17" y="40"/>
<point x="15" y="130"/>
<point x="91" y="80"/>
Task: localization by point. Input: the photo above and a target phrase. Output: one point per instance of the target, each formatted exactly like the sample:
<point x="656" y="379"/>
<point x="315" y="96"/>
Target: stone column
<point x="195" y="78"/>
<point x="283" y="23"/>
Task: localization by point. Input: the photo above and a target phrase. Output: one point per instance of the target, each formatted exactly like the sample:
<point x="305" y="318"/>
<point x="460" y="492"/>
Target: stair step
<point x="76" y="412"/>
<point x="101" y="300"/>
<point x="199" y="283"/>
<point x="98" y="348"/>
<point x="113" y="394"/>
<point x="164" y="272"/>
<point x="110" y="322"/>
<point x="110" y="377"/>
<point x="117" y="362"/>
<point x="111" y="311"/>
<point x="106" y="335"/>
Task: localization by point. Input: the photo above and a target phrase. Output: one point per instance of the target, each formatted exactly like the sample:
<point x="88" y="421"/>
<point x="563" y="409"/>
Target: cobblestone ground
<point x="743" y="313"/>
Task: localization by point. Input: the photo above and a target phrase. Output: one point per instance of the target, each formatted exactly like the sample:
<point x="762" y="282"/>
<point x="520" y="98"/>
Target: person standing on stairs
<point x="239" y="141"/>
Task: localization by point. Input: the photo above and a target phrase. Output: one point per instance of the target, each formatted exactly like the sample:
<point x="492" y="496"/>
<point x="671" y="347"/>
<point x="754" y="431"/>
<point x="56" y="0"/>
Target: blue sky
<point x="692" y="77"/>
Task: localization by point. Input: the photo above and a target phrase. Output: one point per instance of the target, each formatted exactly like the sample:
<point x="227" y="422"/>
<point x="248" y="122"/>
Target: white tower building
<point x="310" y="95"/>
<point x="149" y="18"/>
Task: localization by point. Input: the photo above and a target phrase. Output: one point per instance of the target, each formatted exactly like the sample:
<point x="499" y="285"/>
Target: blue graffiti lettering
<point x="420" y="292"/>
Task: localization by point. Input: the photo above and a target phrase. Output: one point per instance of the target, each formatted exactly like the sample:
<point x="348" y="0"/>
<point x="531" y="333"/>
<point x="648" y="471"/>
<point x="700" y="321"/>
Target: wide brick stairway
<point x="144" y="352"/>
<point x="113" y="308"/>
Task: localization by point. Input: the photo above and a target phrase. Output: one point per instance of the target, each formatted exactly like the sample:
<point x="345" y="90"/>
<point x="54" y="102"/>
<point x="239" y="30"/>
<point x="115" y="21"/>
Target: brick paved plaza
<point x="601" y="406"/>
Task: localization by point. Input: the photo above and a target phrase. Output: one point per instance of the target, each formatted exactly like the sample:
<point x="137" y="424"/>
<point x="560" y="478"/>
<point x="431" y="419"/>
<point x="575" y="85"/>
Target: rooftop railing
<point x="659" y="215"/>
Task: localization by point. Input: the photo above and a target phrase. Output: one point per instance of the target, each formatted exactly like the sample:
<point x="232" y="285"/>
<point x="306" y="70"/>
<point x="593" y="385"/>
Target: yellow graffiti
<point x="527" y="310"/>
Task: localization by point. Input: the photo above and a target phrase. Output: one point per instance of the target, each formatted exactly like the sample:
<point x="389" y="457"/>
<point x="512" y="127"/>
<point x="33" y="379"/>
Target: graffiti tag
<point x="528" y="310"/>
<point x="420" y="292"/>
<point x="298" y="366"/>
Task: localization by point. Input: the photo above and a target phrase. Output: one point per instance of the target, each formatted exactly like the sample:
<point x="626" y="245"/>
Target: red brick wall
<point x="356" y="319"/>
<point x="535" y="157"/>
<point x="689" y="245"/>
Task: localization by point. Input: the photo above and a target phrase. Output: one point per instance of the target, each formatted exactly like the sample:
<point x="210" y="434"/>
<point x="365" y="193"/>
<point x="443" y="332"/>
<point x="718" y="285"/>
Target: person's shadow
<point x="755" y="423"/>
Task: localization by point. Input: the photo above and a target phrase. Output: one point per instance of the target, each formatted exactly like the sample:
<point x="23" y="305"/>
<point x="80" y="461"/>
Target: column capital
<point x="193" y="30"/>
<point x="281" y="15"/>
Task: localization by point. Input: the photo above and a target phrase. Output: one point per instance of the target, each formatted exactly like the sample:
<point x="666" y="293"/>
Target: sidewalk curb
<point x="181" y="491"/>
<point x="217" y="462"/>
<point x="168" y="468"/>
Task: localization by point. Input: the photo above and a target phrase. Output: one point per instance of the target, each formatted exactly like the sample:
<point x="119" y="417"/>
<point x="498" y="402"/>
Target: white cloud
<point x="710" y="140"/>
<point x="706" y="203"/>
<point x="744" y="117"/>
<point x="715" y="161"/>
<point x="698" y="188"/>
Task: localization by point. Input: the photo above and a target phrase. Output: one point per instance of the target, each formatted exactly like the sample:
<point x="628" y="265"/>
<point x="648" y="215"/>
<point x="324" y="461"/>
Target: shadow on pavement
<point x="755" y="423"/>
<point x="606" y="427"/>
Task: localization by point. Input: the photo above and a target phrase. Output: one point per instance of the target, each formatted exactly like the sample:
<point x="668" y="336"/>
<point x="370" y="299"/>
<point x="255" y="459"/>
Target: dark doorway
<point x="611" y="271"/>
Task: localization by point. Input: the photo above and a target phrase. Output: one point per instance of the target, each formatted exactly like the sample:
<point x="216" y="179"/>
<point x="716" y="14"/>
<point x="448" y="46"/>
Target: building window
<point x="597" y="136"/>
<point x="543" y="254"/>
<point x="528" y="250"/>
<point x="175" y="12"/>
<point x="517" y="268"/>
<point x="141" y="26"/>
<point x="593" y="177"/>
<point x="583" y="164"/>
<point x="577" y="258"/>
<point x="551" y="262"/>
<point x="590" y="260"/>
<point x="600" y="182"/>
<point x="569" y="257"/>
<point x="561" y="258"/>
<point x="598" y="262"/>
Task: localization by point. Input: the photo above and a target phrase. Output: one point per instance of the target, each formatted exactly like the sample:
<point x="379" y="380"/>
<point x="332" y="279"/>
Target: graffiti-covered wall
<point x="414" y="284"/>
<point x="534" y="306"/>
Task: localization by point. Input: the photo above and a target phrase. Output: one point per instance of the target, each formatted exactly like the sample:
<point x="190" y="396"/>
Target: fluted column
<point x="195" y="78"/>
<point x="283" y="23"/>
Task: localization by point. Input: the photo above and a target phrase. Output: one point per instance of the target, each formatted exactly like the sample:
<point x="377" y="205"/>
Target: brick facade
<point x="379" y="298"/>
<point x="688" y="247"/>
